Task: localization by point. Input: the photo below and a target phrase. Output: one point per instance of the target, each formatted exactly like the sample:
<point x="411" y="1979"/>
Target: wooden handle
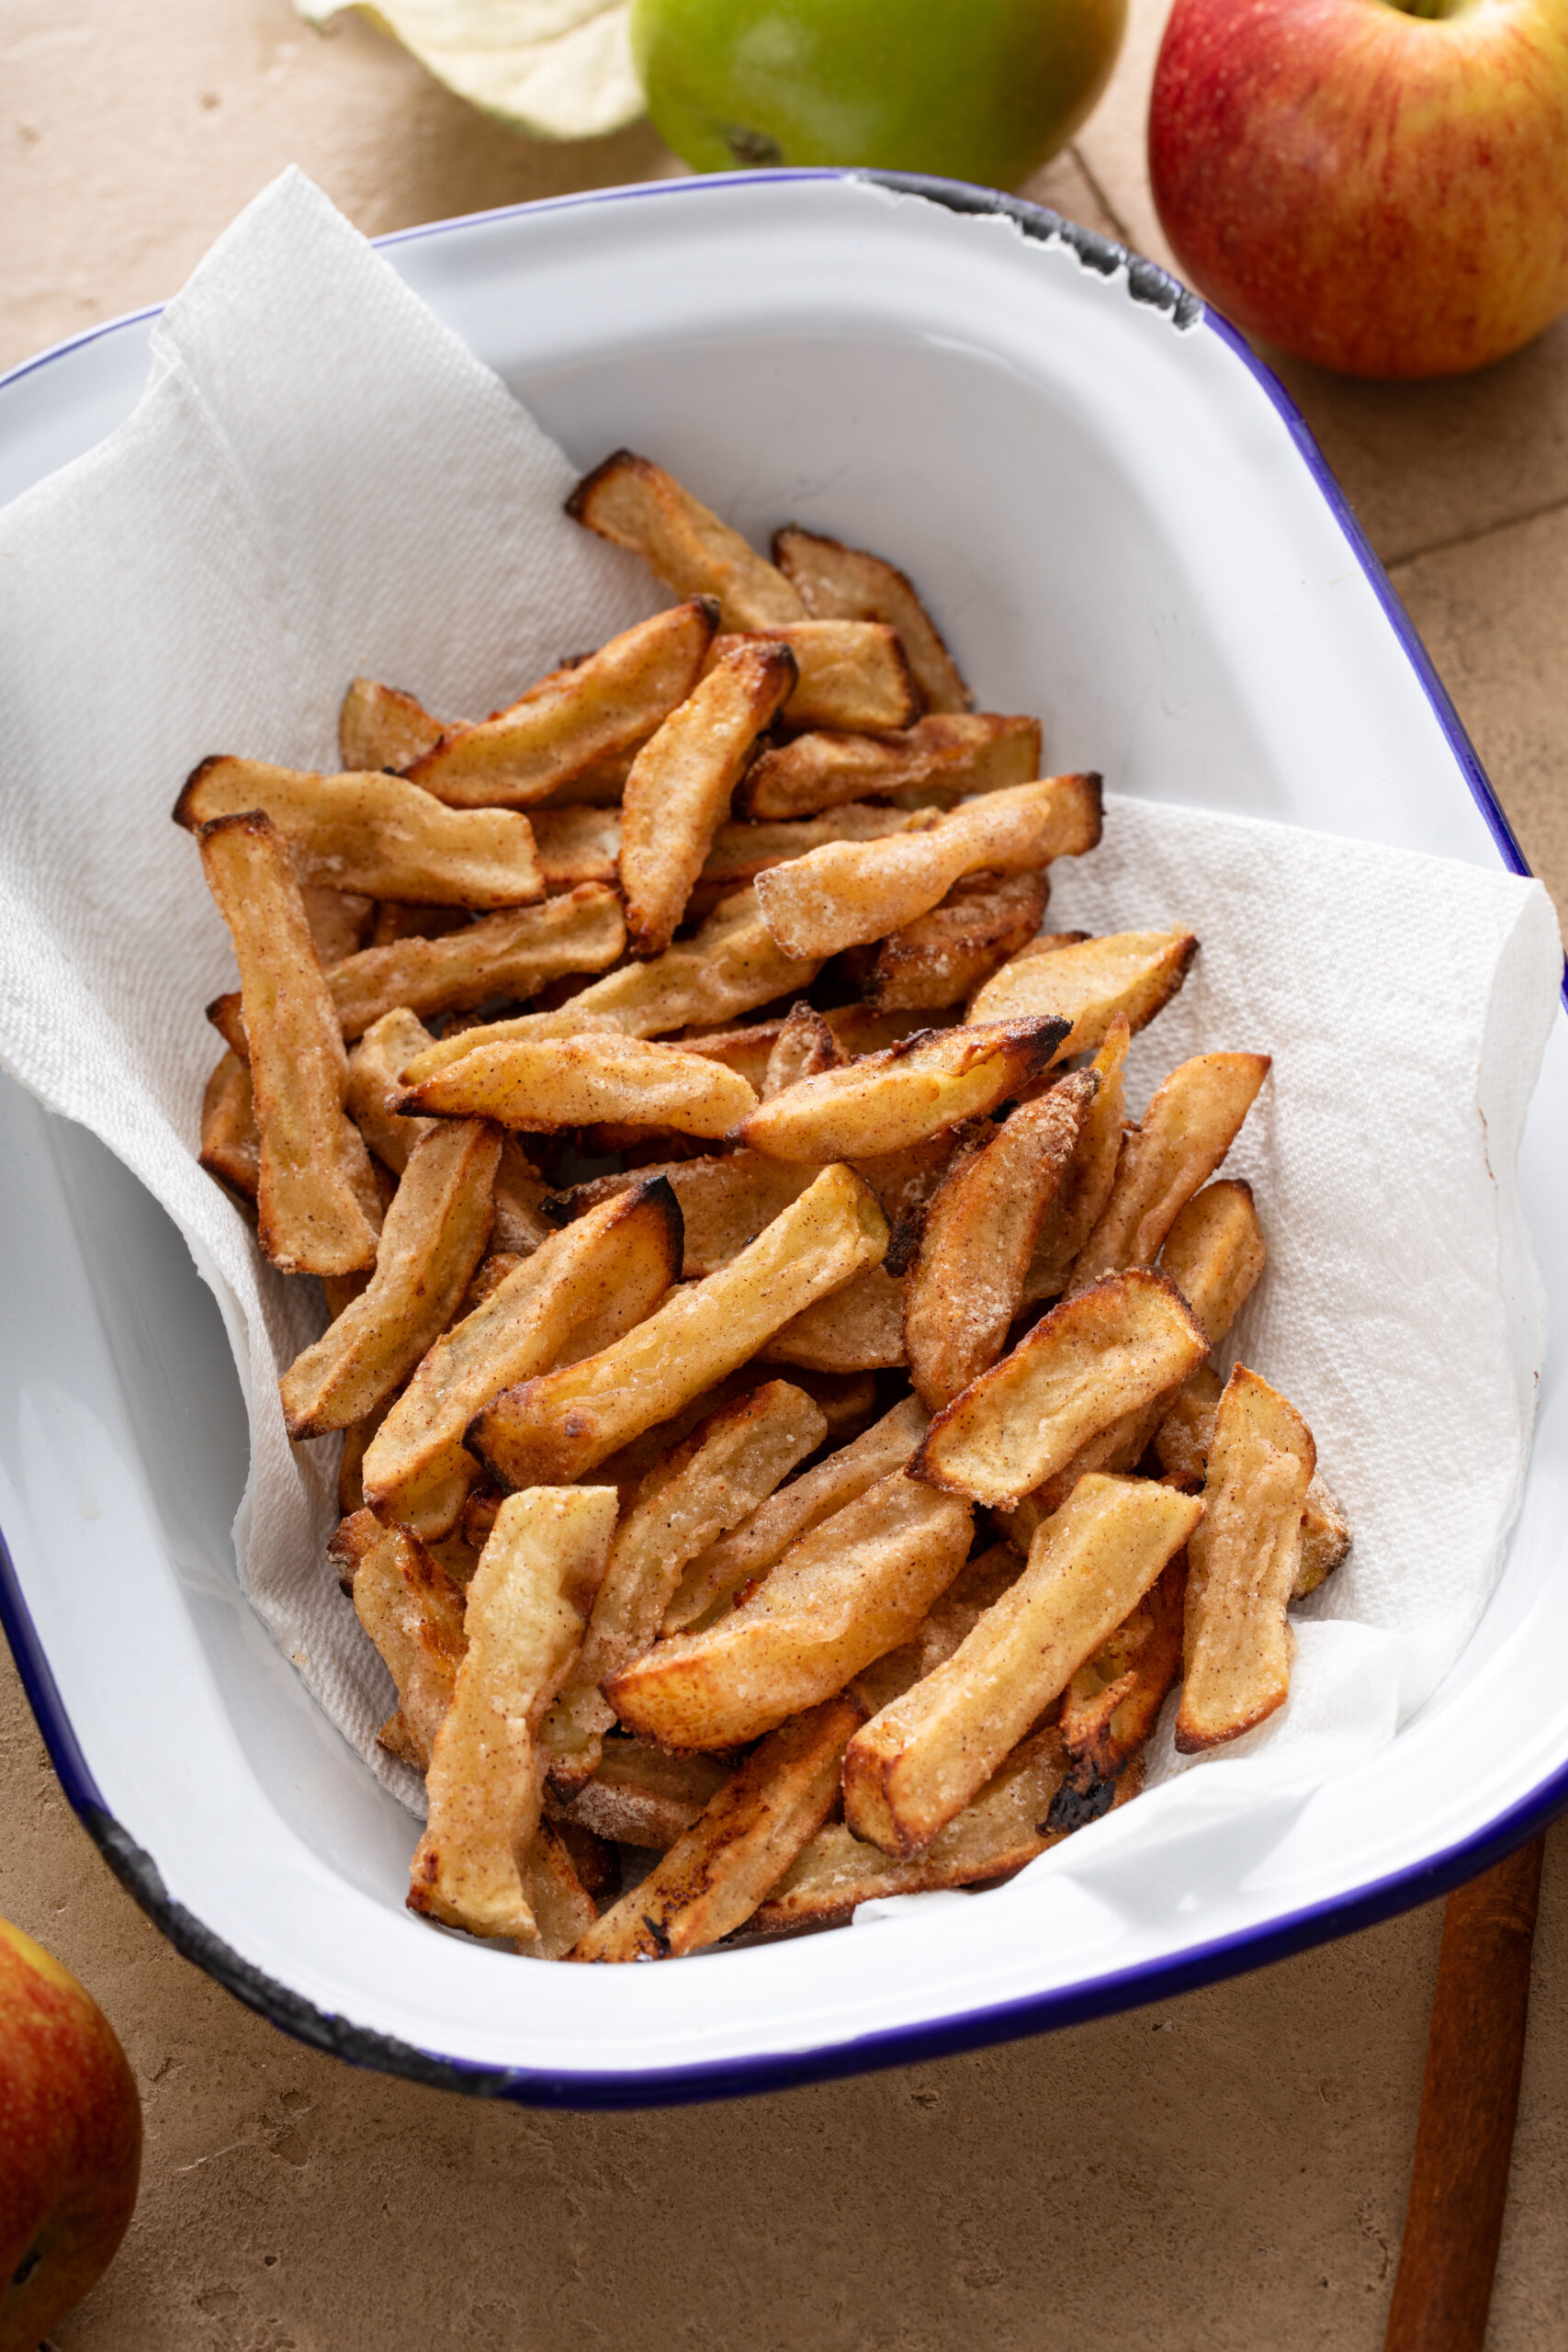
<point x="1469" y="2100"/>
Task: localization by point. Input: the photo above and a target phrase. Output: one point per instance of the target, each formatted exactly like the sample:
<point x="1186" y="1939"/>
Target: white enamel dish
<point x="1122" y="523"/>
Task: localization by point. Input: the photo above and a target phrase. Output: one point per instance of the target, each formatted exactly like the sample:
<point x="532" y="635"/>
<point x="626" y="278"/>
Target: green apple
<point x="70" y="2141"/>
<point x="982" y="90"/>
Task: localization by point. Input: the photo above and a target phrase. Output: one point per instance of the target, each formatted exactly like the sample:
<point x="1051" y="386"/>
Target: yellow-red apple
<point x="1383" y="189"/>
<point x="70" y="2141"/>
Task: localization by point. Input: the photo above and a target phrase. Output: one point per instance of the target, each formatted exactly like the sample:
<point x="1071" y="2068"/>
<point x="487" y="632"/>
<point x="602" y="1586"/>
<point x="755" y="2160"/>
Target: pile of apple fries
<point x="783" y="1460"/>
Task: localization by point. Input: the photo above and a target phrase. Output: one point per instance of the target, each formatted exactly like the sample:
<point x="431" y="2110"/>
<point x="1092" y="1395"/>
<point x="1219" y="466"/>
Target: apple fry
<point x="636" y="504"/>
<point x="523" y="1618"/>
<point x="1183" y="1443"/>
<point x="433" y="1238"/>
<point x="762" y="1541"/>
<point x="1130" y="972"/>
<point x="543" y="1083"/>
<point x="805" y="1046"/>
<point x="642" y="1795"/>
<point x="919" y="1761"/>
<point x="576" y="845"/>
<point x="510" y="953"/>
<point x="414" y="1614"/>
<point x="731" y="964"/>
<point x="375" y="833"/>
<point x="230" y="1144"/>
<point x="1098" y="1356"/>
<point x="562" y="1908"/>
<point x="849" y="893"/>
<point x="850" y="674"/>
<point x="578" y="1291"/>
<point x="563" y="1424"/>
<point x="856" y="1586"/>
<point x="997" y="1832"/>
<point x="1086" y="1183"/>
<point x="888" y="1102"/>
<point x="725" y="1203"/>
<point x="574" y="719"/>
<point x="713" y="1878"/>
<point x="860" y="1329"/>
<point x="382" y="727"/>
<point x="680" y="781"/>
<point x="1112" y="1701"/>
<point x="980" y="1230"/>
<point x="1190" y="1124"/>
<point x="313" y="1179"/>
<point x="1243" y="1566"/>
<point x="707" y="1484"/>
<point x="983" y="752"/>
<point x="839" y="582"/>
<point x="940" y="958"/>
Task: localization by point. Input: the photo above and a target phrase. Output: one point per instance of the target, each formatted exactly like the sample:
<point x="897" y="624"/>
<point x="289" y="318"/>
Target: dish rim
<point x="1135" y="1986"/>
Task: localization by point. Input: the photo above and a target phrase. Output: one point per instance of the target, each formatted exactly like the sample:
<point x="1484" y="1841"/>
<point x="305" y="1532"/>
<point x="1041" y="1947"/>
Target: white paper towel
<point x="321" y="480"/>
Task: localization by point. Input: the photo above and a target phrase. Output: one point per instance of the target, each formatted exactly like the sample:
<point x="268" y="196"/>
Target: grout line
<point x="1469" y="538"/>
<point x="1123" y="235"/>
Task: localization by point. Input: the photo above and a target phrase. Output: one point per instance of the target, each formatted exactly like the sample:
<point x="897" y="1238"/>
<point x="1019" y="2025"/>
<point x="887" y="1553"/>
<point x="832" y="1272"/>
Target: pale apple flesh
<point x="70" y="2142"/>
<point x="1380" y="191"/>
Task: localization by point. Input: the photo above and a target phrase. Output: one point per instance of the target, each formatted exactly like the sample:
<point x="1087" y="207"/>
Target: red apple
<point x="70" y="2141"/>
<point x="1379" y="189"/>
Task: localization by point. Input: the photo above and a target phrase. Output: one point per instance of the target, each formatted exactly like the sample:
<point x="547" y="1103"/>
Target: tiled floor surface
<point x="1226" y="2173"/>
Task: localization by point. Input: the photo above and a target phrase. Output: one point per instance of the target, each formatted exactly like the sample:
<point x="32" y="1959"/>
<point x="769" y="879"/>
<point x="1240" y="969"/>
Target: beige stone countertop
<point x="1222" y="2173"/>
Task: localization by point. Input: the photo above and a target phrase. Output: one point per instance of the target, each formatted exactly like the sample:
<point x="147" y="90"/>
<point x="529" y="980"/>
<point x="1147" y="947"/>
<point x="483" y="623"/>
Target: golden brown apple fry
<point x="524" y="1617"/>
<point x="382" y="727"/>
<point x="921" y="1760"/>
<point x="563" y="1424"/>
<point x="576" y="845"/>
<point x="230" y="1144"/>
<point x="576" y="1292"/>
<point x="1190" y="1124"/>
<point x="887" y="1102"/>
<point x="1113" y="1701"/>
<point x="678" y="791"/>
<point x="706" y="1485"/>
<point x="1182" y="1443"/>
<point x="950" y="1620"/>
<point x="713" y="1878"/>
<point x="562" y="1908"/>
<point x="1243" y="1566"/>
<point x="540" y="1084"/>
<point x="860" y="1329"/>
<point x="1100" y="1355"/>
<point x="433" y="1238"/>
<point x="374" y="1085"/>
<point x="997" y="1832"/>
<point x="339" y="922"/>
<point x="1131" y="972"/>
<point x="313" y="1179"/>
<point x="634" y="502"/>
<point x="414" y="1614"/>
<point x="980" y="1230"/>
<point x="803" y="1047"/>
<point x="576" y="718"/>
<point x="730" y="964"/>
<point x="856" y="1586"/>
<point x="940" y="958"/>
<point x="741" y="852"/>
<point x="849" y="893"/>
<point x="852" y="674"/>
<point x="510" y="953"/>
<point x="1085" y="1186"/>
<point x="227" y="1016"/>
<point x="375" y="833"/>
<point x="725" y="1203"/>
<point x="983" y="752"/>
<point x="818" y="1493"/>
<point x="839" y="582"/>
<point x="642" y="1795"/>
<point x="1215" y="1253"/>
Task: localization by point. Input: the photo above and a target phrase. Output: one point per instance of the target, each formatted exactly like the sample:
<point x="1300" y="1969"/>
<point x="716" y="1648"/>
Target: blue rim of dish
<point x="1120" y="1989"/>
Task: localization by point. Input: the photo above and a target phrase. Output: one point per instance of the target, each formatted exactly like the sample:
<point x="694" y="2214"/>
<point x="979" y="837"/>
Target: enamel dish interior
<point x="1121" y="524"/>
